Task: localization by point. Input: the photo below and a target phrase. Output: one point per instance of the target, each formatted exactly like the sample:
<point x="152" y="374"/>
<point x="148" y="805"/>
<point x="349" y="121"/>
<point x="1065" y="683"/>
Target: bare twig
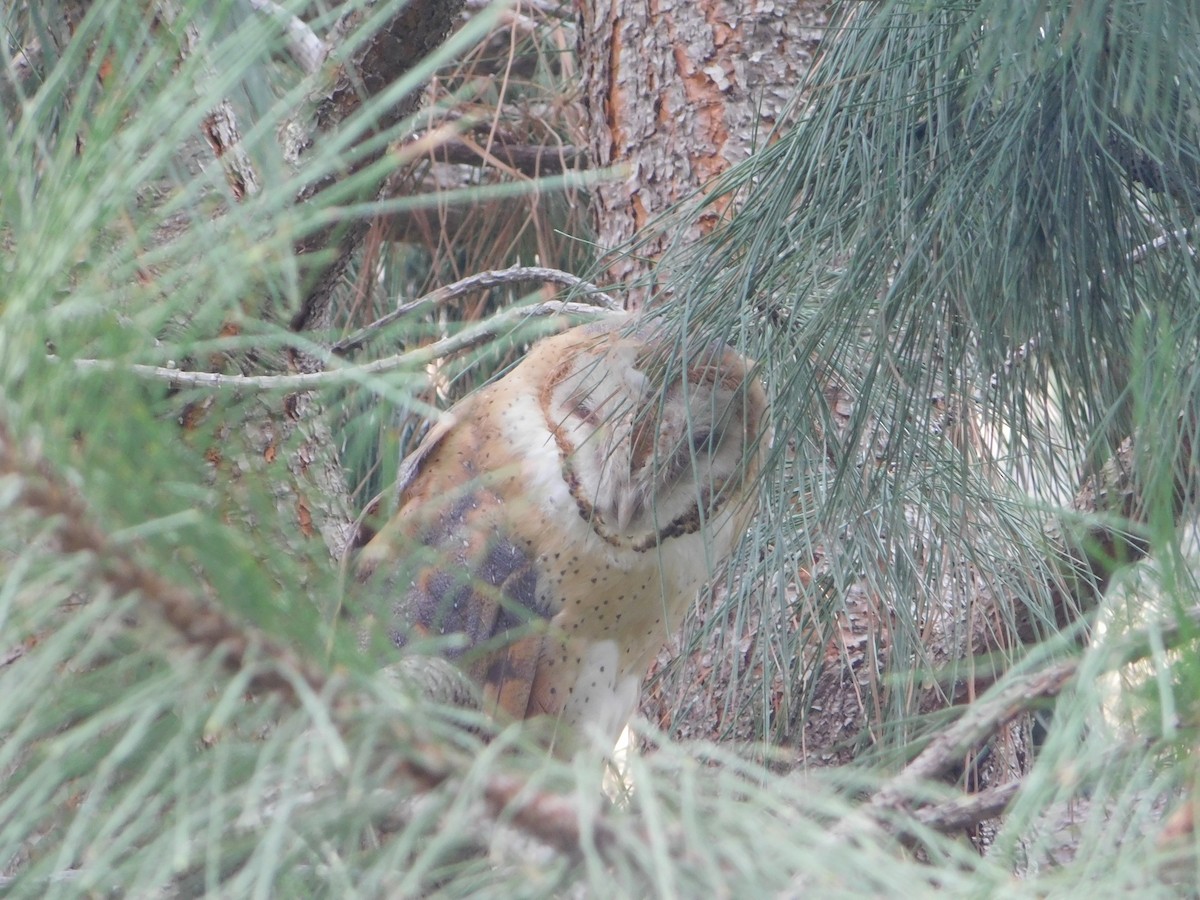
<point x="1179" y="238"/>
<point x="476" y="282"/>
<point x="466" y="339"/>
<point x="306" y="49"/>
<point x="528" y="159"/>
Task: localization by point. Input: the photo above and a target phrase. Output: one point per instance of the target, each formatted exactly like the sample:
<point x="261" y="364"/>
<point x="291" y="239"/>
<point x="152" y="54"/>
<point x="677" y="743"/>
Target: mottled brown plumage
<point x="560" y="520"/>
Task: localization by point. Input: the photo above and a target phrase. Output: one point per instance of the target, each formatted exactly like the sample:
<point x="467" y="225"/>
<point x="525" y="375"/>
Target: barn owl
<point x="559" y="521"/>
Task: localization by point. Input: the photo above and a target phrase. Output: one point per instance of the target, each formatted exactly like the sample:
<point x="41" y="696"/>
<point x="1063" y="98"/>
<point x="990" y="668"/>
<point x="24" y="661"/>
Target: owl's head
<point x="657" y="440"/>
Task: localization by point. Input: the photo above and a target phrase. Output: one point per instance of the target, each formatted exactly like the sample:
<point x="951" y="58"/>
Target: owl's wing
<point x="450" y="566"/>
<point x="382" y="548"/>
<point x="481" y="584"/>
<point x="410" y="466"/>
<point x="508" y="670"/>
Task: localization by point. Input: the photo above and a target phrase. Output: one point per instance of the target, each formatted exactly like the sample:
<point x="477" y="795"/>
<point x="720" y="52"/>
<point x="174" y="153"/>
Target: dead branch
<point x="979" y="720"/>
<point x="985" y="717"/>
<point x="970" y="809"/>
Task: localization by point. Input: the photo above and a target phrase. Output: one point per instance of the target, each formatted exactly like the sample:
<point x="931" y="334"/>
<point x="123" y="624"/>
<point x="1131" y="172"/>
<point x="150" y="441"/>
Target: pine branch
<point x="200" y="624"/>
<point x="551" y="818"/>
<point x="979" y="720"/>
<point x="968" y="810"/>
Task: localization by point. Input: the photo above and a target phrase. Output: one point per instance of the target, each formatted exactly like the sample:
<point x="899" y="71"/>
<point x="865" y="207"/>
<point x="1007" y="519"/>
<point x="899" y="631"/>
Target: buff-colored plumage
<point x="561" y="520"/>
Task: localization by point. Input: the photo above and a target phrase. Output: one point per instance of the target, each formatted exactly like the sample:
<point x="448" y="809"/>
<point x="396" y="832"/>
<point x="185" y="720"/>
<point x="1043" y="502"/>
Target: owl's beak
<point x="628" y="506"/>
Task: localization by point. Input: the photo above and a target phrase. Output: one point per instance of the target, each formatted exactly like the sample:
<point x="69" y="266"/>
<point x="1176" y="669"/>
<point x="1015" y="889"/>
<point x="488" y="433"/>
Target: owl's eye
<point x="701" y="444"/>
<point x="580" y="406"/>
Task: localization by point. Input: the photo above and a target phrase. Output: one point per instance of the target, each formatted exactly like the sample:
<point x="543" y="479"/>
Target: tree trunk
<point x="675" y="93"/>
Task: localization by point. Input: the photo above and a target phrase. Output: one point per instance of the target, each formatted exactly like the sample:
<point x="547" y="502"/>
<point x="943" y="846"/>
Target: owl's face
<point x="654" y="443"/>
